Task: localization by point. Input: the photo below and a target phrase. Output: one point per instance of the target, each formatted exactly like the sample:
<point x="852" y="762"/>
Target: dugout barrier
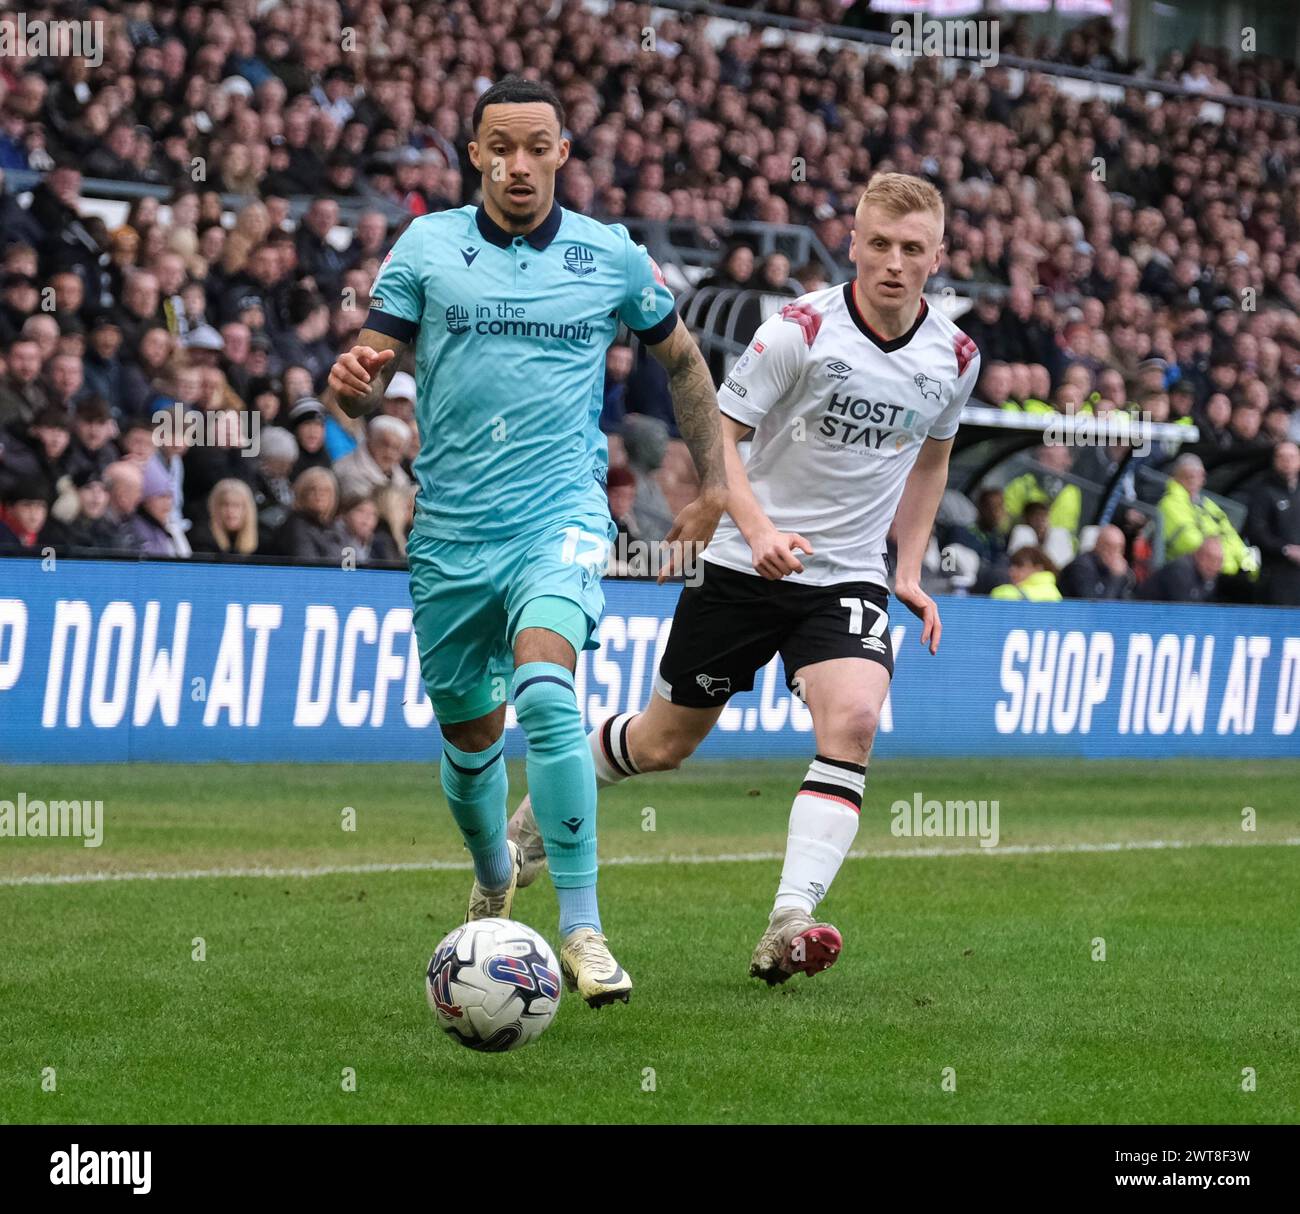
<point x="113" y="662"/>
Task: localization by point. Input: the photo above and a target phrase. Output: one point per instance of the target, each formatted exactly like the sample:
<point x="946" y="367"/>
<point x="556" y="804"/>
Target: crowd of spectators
<point x="1089" y="44"/>
<point x="1036" y="550"/>
<point x="1127" y="254"/>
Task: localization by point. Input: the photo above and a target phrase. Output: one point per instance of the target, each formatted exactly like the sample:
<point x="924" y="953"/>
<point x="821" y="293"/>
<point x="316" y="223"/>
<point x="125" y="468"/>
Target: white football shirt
<point x="839" y="415"/>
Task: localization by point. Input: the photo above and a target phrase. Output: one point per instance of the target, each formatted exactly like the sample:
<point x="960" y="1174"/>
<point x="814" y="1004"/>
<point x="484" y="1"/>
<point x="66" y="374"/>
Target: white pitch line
<point x="444" y="866"/>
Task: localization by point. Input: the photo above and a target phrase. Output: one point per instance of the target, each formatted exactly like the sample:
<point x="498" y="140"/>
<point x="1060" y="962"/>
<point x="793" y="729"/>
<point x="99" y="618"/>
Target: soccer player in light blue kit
<point x="512" y="305"/>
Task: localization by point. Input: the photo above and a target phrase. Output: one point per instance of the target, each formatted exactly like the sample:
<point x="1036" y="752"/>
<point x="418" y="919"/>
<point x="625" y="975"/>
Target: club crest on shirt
<point x="928" y="386"/>
<point x="579" y="261"/>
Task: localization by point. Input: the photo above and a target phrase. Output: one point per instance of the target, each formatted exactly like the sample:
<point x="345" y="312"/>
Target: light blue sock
<point x="562" y="785"/>
<point x="474" y="783"/>
<point x="578" y="908"/>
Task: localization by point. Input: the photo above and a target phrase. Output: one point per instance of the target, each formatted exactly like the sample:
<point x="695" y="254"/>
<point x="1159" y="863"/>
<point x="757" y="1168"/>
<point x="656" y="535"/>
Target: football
<point x="494" y="985"/>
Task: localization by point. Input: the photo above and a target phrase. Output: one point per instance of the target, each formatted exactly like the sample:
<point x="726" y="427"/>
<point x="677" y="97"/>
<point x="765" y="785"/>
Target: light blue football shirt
<point x="511" y="335"/>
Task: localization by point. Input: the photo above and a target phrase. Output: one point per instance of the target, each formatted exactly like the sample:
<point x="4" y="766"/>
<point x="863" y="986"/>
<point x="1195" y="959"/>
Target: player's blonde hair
<point x="899" y="194"/>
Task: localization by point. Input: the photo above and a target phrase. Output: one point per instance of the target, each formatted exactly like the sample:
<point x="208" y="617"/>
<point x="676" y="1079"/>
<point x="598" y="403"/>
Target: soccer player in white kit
<point x="850" y="399"/>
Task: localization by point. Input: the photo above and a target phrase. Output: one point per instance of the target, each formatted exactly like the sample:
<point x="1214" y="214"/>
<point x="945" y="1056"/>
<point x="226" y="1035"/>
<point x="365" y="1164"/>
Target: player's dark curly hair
<point x="515" y="90"/>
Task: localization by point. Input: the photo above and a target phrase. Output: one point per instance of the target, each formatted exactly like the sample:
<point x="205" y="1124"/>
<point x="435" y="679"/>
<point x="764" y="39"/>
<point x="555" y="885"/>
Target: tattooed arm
<point x="695" y="404"/>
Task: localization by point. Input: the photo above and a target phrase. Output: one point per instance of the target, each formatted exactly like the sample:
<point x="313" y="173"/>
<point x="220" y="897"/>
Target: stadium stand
<point x="197" y="221"/>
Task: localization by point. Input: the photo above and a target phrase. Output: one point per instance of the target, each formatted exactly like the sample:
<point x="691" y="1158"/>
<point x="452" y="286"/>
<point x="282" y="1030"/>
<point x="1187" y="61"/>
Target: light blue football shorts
<point x="473" y="598"/>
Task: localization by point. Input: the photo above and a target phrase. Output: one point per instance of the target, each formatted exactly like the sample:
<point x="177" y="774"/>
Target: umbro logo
<point x="818" y="889"/>
<point x="838" y="370"/>
<point x="875" y="644"/>
<point x="469" y="255"/>
<point x="574" y="824"/>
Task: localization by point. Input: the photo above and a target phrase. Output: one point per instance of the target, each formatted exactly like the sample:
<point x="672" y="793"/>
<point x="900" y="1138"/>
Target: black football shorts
<point x="727" y="628"/>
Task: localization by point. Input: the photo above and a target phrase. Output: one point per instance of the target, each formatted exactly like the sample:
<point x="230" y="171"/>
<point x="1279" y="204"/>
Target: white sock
<point x="823" y="824"/>
<point x="610" y="750"/>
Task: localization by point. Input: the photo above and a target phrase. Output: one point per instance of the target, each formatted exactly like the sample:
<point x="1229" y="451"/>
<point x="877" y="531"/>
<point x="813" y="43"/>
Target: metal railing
<point x="18" y="181"/>
<point x="715" y="314"/>
<point x="681" y="238"/>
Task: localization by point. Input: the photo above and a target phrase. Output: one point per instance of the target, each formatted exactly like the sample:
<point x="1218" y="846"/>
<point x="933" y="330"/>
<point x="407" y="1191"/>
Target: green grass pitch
<point x="976" y="966"/>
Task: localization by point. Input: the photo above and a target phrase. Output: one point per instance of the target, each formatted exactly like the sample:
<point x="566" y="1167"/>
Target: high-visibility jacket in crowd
<point x="1032" y="405"/>
<point x="1188" y="524"/>
<point x="1038" y="587"/>
<point x="1066" y="507"/>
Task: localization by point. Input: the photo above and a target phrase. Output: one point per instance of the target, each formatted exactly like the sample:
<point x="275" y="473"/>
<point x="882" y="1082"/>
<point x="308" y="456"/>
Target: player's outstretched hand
<point x="692" y="529"/>
<point x="352" y="375"/>
<point x="774" y="553"/>
<point x="925" y="609"/>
